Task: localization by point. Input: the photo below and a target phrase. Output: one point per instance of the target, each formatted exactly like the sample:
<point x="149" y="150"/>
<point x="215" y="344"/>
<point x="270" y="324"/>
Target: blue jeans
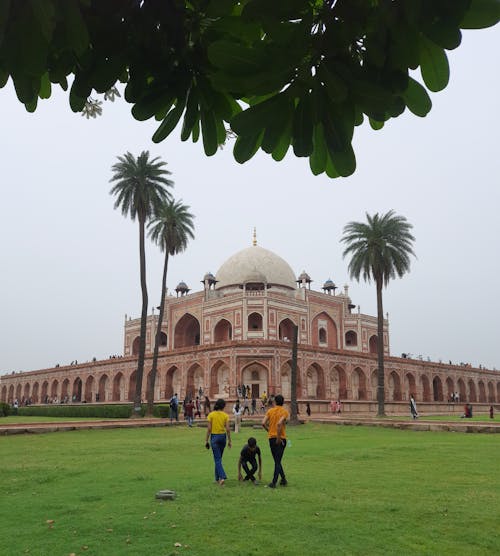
<point x="218" y="443"/>
<point x="277" y="451"/>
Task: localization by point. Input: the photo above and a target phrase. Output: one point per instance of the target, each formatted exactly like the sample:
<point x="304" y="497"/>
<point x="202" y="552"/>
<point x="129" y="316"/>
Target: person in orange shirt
<point x="275" y="424"/>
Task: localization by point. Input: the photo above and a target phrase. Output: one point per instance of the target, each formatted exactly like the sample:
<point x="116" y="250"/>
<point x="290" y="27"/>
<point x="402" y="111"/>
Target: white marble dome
<point x="255" y="264"/>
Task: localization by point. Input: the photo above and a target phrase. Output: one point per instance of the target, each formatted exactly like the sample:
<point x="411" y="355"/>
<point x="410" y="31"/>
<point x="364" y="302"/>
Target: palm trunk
<point x="144" y="316"/>
<point x="293" y="417"/>
<point x="380" y="351"/>
<point x="154" y="368"/>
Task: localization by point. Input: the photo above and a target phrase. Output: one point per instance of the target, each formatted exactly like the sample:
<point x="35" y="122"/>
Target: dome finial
<point x="254" y="242"/>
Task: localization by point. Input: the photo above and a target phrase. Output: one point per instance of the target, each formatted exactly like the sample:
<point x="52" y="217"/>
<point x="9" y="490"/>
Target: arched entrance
<point x="482" y="391"/>
<point x="103" y="386"/>
<point x="135" y="345"/>
<point x="338" y="383"/>
<point x="491" y="392"/>
<point x="195" y="381"/>
<point x="359" y="384"/>
<point x="437" y="389"/>
<point x="394" y="387"/>
<point x="223" y="331"/>
<point x="472" y="391"/>
<point x="3" y="396"/>
<point x="372" y="344"/>
<point x="286" y="328"/>
<point x="172" y="382"/>
<point x="286" y="381"/>
<point x="219" y="380"/>
<point x="324" y="331"/>
<point x="450" y="388"/>
<point x="89" y="389"/>
<point x="76" y="395"/>
<point x="315" y="382"/>
<point x="65" y="391"/>
<point x="256" y="376"/>
<point x="187" y="332"/>
<point x="118" y="387"/>
<point x="426" y="388"/>
<point x="131" y="386"/>
<point x="410" y="385"/>
<point x="462" y="390"/>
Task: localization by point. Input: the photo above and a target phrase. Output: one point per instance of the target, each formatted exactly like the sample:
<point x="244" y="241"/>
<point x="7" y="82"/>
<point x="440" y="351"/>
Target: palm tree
<point x="171" y="228"/>
<point x="139" y="190"/>
<point x="380" y="249"/>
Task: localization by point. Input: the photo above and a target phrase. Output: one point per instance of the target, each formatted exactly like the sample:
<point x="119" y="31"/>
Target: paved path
<point x="352" y="420"/>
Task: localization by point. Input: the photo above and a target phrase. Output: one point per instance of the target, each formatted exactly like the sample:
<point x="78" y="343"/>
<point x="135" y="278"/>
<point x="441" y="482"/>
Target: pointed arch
<point x="223" y="331"/>
<point x="135" y="345"/>
<point x="374" y="384"/>
<point x="44" y="392"/>
<point x="450" y="388"/>
<point x="338" y="383"/>
<point x="219" y="380"/>
<point x="65" y="390"/>
<point x="27" y="390"/>
<point x="256" y="376"/>
<point x="482" y="391"/>
<point x="426" y="388"/>
<point x="394" y="387"/>
<point x="315" y="382"/>
<point x="19" y="392"/>
<point x="195" y="380"/>
<point x="462" y="390"/>
<point x="3" y="395"/>
<point x="187" y="332"/>
<point x="54" y="389"/>
<point x="89" y="389"/>
<point x="285" y="330"/>
<point x="324" y="331"/>
<point x="411" y="385"/>
<point x="491" y="392"/>
<point x="103" y="387"/>
<point x="131" y="386"/>
<point x="351" y="338"/>
<point x="118" y="387"/>
<point x="359" y="390"/>
<point x="255" y="322"/>
<point x="77" y="390"/>
<point x="472" y="391"/>
<point x="172" y="382"/>
<point x="437" y="389"/>
<point x="10" y="397"/>
<point x="372" y="344"/>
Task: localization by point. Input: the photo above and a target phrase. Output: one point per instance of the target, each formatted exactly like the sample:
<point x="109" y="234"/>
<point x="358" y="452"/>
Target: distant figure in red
<point x="491" y="412"/>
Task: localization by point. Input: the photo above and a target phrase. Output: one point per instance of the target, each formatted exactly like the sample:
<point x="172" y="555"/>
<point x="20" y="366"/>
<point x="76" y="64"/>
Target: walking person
<point x="189" y="412"/>
<point x="206" y="406"/>
<point x="237" y="416"/>
<point x="413" y="407"/>
<point x="174" y="408"/>
<point x="275" y="424"/>
<point x="219" y="433"/>
<point x="248" y="457"/>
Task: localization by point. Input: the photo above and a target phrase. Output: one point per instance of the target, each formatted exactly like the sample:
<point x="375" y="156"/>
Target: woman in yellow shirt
<point x="218" y="432"/>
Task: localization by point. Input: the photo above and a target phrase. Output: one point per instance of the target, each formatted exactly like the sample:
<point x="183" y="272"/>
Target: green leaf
<point x="281" y="149"/>
<point x="344" y="161"/>
<point x="209" y="132"/>
<point x="195" y="134"/>
<point x="335" y="86"/>
<point x="192" y="114"/>
<point x="277" y="10"/>
<point x="45" y="87"/>
<point x="433" y="65"/>
<point x="317" y="160"/>
<point x="302" y="128"/>
<point x="481" y="14"/>
<point x="219" y="8"/>
<point x="235" y="58"/>
<point x="277" y="123"/>
<point x="4" y="16"/>
<point x="44" y="13"/>
<point x="27" y="87"/>
<point x="31" y="106"/>
<point x="153" y="102"/>
<point x="170" y="121"/>
<point x="4" y="77"/>
<point x="76" y="29"/>
<point x="330" y="169"/>
<point x="256" y="117"/>
<point x="246" y="146"/>
<point x="376" y="125"/>
<point x="417" y="99"/>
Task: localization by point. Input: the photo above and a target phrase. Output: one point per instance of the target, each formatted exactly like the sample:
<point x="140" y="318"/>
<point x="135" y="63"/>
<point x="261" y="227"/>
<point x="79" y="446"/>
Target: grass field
<point x="352" y="490"/>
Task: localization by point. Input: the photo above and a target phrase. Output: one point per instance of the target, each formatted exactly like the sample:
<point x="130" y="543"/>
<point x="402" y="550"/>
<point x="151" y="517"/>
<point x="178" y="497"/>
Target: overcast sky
<point x="69" y="261"/>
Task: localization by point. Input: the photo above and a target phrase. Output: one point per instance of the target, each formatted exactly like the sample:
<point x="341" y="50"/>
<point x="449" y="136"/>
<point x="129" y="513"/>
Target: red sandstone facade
<point x="238" y="330"/>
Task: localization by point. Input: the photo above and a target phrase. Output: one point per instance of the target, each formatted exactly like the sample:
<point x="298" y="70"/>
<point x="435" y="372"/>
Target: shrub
<point x="120" y="411"/>
<point x="4" y="409"/>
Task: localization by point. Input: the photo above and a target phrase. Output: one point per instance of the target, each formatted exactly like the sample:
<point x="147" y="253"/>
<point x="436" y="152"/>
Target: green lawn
<point x="352" y="490"/>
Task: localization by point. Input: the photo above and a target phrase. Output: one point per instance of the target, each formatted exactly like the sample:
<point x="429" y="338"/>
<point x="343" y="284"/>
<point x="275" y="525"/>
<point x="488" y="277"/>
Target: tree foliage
<point x="280" y="74"/>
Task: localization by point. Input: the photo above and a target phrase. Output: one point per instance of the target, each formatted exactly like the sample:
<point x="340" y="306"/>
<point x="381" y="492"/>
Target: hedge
<point x="5" y="409"/>
<point x="89" y="410"/>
